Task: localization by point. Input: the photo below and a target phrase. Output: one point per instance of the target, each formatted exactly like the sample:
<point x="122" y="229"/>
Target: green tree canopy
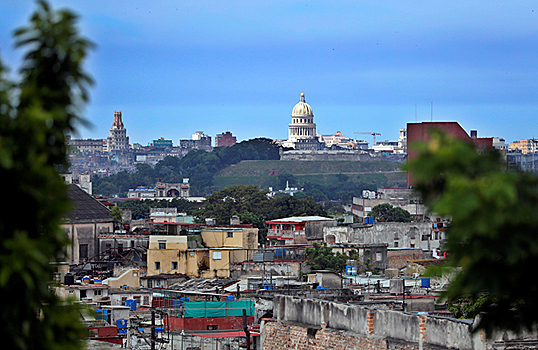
<point x="387" y="213"/>
<point x="253" y="206"/>
<point x="321" y="257"/>
<point x="34" y="115"/>
<point x="493" y="235"/>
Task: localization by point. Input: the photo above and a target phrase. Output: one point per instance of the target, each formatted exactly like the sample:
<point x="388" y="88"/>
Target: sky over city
<point x="176" y="67"/>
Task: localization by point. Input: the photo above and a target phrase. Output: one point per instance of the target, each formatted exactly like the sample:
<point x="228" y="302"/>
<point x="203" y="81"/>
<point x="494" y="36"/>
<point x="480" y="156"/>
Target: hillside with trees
<point x="198" y="165"/>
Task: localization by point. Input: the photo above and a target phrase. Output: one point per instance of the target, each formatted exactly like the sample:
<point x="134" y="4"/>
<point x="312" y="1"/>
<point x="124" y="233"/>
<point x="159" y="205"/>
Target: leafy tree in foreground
<point x="493" y="236"/>
<point x="321" y="257"/>
<point x="32" y="143"/>
<point x="387" y="213"/>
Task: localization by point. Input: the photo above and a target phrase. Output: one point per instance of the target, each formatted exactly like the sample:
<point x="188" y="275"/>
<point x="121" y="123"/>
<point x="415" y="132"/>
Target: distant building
<point x="161" y="143"/>
<point x="225" y="140"/>
<point x="302" y="129"/>
<point x="298" y="229"/>
<point x="162" y="189"/>
<point x="525" y="146"/>
<point x="82" y="180"/>
<point x="199" y="141"/>
<point x="86" y="145"/>
<point x="118" y="140"/>
<point x="207" y="255"/>
<point x="420" y="132"/>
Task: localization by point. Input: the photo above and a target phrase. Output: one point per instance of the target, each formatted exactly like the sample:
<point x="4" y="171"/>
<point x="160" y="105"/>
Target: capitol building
<point x="302" y="129"/>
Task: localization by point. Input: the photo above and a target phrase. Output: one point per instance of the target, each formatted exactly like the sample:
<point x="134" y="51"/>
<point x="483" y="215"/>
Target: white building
<point x="302" y="129"/>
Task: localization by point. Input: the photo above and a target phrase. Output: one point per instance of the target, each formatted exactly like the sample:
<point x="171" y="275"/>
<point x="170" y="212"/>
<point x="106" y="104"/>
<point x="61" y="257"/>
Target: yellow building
<point x="219" y="247"/>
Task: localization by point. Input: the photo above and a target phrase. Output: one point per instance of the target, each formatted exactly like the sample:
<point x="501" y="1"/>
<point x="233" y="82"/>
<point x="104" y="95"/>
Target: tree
<point x="321" y="257"/>
<point x="34" y="115"/>
<point x="387" y="213"/>
<point x="494" y="228"/>
<point x="116" y="213"/>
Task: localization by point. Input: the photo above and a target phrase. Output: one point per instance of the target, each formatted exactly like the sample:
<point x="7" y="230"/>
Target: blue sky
<point x="174" y="67"/>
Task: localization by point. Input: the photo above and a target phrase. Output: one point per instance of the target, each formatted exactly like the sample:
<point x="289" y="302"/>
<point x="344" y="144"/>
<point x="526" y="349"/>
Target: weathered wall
<point x="396" y="234"/>
<point x="301" y="323"/>
<point x="344" y="155"/>
<point x="251" y="269"/>
<point x="398" y="258"/>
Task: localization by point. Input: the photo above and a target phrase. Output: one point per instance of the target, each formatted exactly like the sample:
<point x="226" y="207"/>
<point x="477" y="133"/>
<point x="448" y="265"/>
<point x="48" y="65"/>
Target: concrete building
<point x="87" y="219"/>
<point x="225" y="139"/>
<point x="397" y="234"/>
<point x="298" y="229"/>
<point x="161" y="143"/>
<point x="209" y="255"/>
<point x="398" y="197"/>
<point x="302" y="129"/>
<point x="199" y="141"/>
<point x="86" y="145"/>
<point x="118" y="139"/>
<point x="525" y="146"/>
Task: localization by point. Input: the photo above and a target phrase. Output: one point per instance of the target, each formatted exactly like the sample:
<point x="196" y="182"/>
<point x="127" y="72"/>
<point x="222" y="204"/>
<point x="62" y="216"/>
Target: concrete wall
<point x="302" y="323"/>
<point x="85" y="233"/>
<point x="402" y="234"/>
<point x="251" y="269"/>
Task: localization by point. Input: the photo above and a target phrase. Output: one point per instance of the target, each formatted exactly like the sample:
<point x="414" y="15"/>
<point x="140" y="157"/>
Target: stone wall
<point x="343" y="155"/>
<point x="302" y="324"/>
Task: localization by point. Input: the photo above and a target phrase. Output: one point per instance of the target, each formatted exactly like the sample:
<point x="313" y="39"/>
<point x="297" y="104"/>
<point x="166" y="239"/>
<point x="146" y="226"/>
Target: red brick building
<point x="420" y="132"/>
<point x="225" y="139"/>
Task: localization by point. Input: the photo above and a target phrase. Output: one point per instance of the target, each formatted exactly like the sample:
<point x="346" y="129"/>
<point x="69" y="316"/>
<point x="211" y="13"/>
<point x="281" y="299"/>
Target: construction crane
<point x="369" y="133"/>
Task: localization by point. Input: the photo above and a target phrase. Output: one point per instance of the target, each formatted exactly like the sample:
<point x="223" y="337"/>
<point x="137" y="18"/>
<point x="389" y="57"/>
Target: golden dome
<point x="302" y="108"/>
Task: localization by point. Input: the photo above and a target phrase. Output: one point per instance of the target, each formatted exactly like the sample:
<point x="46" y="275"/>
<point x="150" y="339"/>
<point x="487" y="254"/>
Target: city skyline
<point x="176" y="67"/>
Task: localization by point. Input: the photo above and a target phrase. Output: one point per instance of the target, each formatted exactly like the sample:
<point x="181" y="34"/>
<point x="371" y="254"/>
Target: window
<point x="162" y="245"/>
<point x="157" y="265"/>
<point x="395" y="244"/>
<point x="174" y="265"/>
<point x="83" y="251"/>
<point x="108" y="246"/>
<point x="146" y="300"/>
<point x="120" y="248"/>
<point x="98" y="292"/>
<point x="123" y="300"/>
<point x="230" y="235"/>
<point x="378" y="257"/>
<point x="191" y="253"/>
<point x="217" y="255"/>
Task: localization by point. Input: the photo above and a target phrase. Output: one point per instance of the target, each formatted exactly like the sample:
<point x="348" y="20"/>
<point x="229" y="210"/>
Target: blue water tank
<point x="425" y="282"/>
<point x="322" y="287"/>
<point x="230" y="298"/>
<point x="122" y="325"/>
<point x="131" y="303"/>
<point x="159" y="329"/>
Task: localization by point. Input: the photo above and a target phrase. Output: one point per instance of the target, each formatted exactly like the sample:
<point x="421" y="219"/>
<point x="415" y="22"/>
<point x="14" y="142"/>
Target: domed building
<point x="302" y="129"/>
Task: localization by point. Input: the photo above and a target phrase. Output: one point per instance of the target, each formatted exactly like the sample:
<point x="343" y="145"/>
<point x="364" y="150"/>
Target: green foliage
<point x="493" y="234"/>
<point x="470" y="306"/>
<point x="321" y="257"/>
<point x="387" y="213"/>
<point x="116" y="213"/>
<point x="253" y="206"/>
<point x="198" y="165"/>
<point x="51" y="89"/>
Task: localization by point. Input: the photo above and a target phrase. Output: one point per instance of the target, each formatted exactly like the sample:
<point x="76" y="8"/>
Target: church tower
<point x="118" y="140"/>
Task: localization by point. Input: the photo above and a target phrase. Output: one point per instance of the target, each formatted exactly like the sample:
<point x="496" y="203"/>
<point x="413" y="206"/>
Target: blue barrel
<point x="425" y="282"/>
<point x="230" y="298"/>
<point x="122" y="325"/>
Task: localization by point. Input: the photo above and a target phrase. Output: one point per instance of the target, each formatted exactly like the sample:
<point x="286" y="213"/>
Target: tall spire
<point x="118" y="124"/>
